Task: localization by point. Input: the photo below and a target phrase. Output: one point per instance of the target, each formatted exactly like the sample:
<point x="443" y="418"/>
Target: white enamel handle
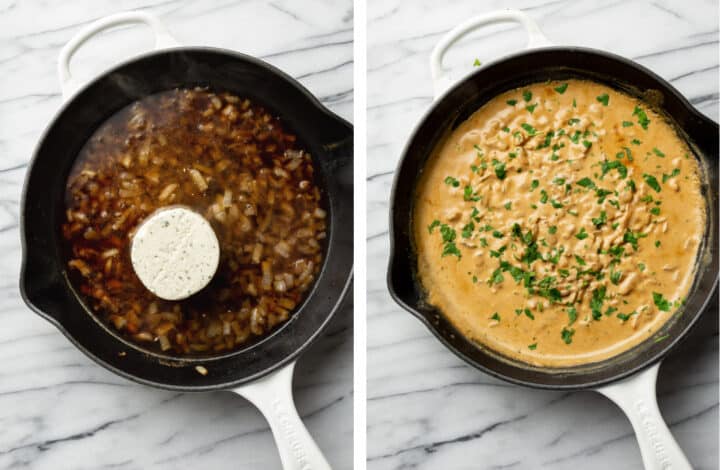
<point x="441" y="79"/>
<point x="163" y="39"/>
<point x="272" y="395"/>
<point x="636" y="397"/>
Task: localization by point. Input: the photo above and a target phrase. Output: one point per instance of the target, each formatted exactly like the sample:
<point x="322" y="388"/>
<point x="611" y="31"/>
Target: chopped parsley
<point x="600" y="221"/>
<point x="652" y="182"/>
<point x="543" y="196"/>
<point x="468" y="230"/>
<point x="586" y="183"/>
<point x="450" y="181"/>
<point x="596" y="302"/>
<point x="508" y="205"/>
<point x="534" y="185"/>
<point x="448" y="238"/>
<point x="532" y="347"/>
<point x="642" y="117"/>
<point x="673" y="174"/>
<point x="627" y="123"/>
<point x="531" y="107"/>
<point x="582" y="235"/>
<point x="561" y="89"/>
<point x="572" y="315"/>
<point x="451" y="249"/>
<point x="468" y="194"/>
<point x="566" y="334"/>
<point x="552" y="230"/>
<point x="496" y="277"/>
<point x="527" y="95"/>
<point x="632" y="238"/>
<point x="626" y="316"/>
<point x="434" y="224"/>
<point x="511" y="102"/>
<point x="661" y="302"/>
<point x="657" y="152"/>
<point x="495" y="316"/>
<point x="604" y="99"/>
<point x="499" y="170"/>
<point x="606" y="166"/>
<point x="528" y="128"/>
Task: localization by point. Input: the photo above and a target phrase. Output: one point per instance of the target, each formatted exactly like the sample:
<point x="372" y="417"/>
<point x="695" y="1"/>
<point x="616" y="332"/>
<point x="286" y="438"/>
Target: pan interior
<point x="468" y="96"/>
<point x="44" y="284"/>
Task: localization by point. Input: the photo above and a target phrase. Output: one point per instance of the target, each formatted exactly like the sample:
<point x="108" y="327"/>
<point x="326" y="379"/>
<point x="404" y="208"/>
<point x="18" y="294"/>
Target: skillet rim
<point x="342" y="288"/>
<point x="393" y="256"/>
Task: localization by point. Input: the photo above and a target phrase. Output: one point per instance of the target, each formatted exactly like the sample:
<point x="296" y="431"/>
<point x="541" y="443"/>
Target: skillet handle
<point x="272" y="395"/>
<point x="163" y="39"/>
<point x="441" y="79"/>
<point x="636" y="397"/>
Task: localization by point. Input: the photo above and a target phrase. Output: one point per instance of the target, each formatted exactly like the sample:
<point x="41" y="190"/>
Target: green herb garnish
<point x="661" y="302"/>
<point x="561" y="89"/>
<point x="566" y="334"/>
<point x="642" y="117"/>
<point x="652" y="182"/>
<point x="452" y="182"/>
<point x="528" y="128"/>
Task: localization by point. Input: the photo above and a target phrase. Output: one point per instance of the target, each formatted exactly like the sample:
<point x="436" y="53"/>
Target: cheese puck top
<point x="175" y="253"/>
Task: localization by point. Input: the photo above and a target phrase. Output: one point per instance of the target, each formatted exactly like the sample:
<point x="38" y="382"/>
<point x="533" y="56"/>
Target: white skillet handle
<point x="636" y="397"/>
<point x="162" y="40"/>
<point x="272" y="395"/>
<point x="441" y="79"/>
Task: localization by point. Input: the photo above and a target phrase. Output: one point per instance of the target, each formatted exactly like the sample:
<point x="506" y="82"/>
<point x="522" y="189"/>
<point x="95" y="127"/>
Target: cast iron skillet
<point x="456" y="105"/>
<point x="44" y="284"/>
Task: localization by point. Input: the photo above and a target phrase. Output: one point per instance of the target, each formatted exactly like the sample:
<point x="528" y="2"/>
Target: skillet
<point x="628" y="379"/>
<point x="260" y="372"/>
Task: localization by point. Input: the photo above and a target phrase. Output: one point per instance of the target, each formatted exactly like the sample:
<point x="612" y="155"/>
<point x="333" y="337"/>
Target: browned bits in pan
<point x="232" y="162"/>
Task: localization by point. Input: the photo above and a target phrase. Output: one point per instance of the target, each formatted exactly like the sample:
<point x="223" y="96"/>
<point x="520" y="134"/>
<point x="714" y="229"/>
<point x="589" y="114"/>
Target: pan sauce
<point x="559" y="224"/>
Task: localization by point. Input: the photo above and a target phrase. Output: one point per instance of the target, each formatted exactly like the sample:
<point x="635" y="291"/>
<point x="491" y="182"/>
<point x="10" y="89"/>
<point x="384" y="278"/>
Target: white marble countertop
<point x="58" y="409"/>
<point x="426" y="408"/>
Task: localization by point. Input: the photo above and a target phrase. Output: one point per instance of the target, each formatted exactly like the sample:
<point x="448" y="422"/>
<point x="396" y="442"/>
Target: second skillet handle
<point x="441" y="79"/>
<point x="272" y="395"/>
<point x="163" y="39"/>
<point x="636" y="397"/>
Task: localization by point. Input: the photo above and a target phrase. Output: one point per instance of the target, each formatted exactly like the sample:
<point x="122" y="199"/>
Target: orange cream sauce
<point x="559" y="224"/>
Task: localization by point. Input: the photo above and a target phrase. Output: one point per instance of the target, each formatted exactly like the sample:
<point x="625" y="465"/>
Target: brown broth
<point x="229" y="160"/>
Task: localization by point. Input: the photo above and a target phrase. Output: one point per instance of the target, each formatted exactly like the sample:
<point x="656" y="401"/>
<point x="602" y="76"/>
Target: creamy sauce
<point x="559" y="224"/>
